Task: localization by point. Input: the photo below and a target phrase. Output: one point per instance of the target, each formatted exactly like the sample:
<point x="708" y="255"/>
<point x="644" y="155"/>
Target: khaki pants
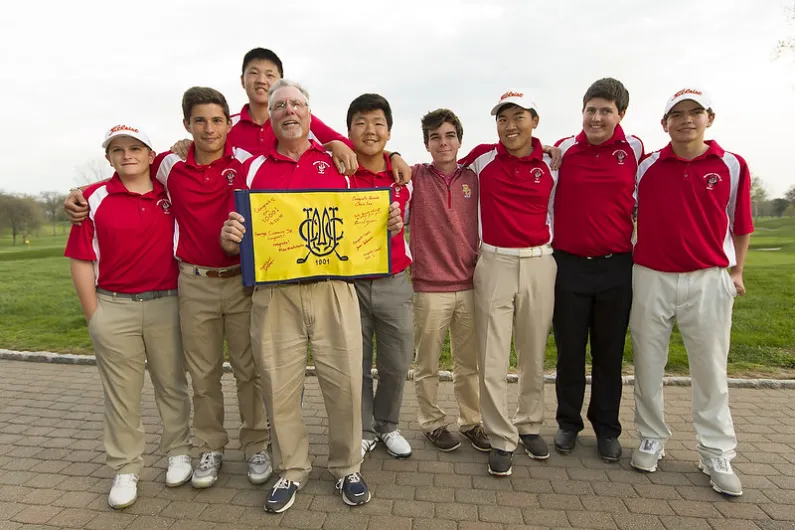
<point x="212" y="309"/>
<point x="512" y="295"/>
<point x="385" y="305"/>
<point x="701" y="302"/>
<point x="126" y="333"/>
<point x="285" y="321"/>
<point x="434" y="314"/>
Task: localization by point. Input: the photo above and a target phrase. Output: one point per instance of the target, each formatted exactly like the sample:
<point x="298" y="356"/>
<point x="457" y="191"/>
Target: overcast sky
<point x="73" y="69"/>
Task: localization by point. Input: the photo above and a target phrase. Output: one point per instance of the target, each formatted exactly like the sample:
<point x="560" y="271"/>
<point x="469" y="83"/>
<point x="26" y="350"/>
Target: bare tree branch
<point x="92" y="171"/>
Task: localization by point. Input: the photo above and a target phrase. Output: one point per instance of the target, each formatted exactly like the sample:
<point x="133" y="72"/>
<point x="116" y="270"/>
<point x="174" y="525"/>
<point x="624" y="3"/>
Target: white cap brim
<point x="522" y="101"/>
<point x="688" y="94"/>
<point x="125" y="130"/>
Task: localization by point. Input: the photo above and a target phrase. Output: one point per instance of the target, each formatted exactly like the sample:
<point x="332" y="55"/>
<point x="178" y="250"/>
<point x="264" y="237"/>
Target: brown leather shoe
<point x="478" y="437"/>
<point x="442" y="439"/>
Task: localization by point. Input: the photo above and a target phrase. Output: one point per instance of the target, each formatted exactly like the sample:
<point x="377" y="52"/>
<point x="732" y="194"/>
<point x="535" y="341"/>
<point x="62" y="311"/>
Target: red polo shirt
<point x="128" y="236"/>
<point x="314" y="170"/>
<point x="689" y="209"/>
<point x="258" y="139"/>
<point x="363" y="179"/>
<point x="595" y="196"/>
<point x="514" y="195"/>
<point x="201" y="195"/>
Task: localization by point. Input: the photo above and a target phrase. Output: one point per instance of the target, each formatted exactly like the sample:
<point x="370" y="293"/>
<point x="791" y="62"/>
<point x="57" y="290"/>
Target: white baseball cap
<point x="126" y="130"/>
<point x="693" y="94"/>
<point x="520" y="98"/>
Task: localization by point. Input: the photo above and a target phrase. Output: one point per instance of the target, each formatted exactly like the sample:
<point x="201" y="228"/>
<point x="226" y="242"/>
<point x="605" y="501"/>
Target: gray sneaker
<point x="206" y="473"/>
<point x="646" y="456"/>
<point x="259" y="468"/>
<point x="721" y="476"/>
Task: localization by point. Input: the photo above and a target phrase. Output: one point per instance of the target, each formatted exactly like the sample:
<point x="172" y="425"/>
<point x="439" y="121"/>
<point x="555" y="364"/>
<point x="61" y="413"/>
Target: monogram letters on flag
<point x="320" y="234"/>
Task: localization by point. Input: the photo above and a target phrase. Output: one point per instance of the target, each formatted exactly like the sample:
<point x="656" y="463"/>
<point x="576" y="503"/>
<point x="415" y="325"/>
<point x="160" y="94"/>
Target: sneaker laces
<point x="353" y="478"/>
<point x="125" y="479"/>
<point x="208" y="460"/>
<point x="178" y="459"/>
<point x="721" y="465"/>
<point x="392" y="434"/>
<point x="282" y="484"/>
<point x="476" y="431"/>
<point x="436" y="433"/>
<point x="260" y="457"/>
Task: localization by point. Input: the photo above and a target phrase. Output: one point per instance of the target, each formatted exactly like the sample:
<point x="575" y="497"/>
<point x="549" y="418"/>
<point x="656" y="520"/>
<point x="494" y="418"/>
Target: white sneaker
<point x="396" y="445"/>
<point x="367" y="446"/>
<point x="721" y="476"/>
<point x="124" y="491"/>
<point x="259" y="468"/>
<point x="179" y="470"/>
<point x="206" y="473"/>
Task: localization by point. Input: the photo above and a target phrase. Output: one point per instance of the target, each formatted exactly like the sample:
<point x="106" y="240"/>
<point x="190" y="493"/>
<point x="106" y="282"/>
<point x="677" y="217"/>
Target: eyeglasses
<point x="296" y="104"/>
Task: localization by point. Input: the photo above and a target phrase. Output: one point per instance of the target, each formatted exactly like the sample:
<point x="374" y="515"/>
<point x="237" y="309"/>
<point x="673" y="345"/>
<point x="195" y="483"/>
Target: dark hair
<point x="368" y="102"/>
<point x="263" y="54"/>
<point x="436" y="118"/>
<point x="609" y="89"/>
<point x="202" y="95"/>
<point x="533" y="113"/>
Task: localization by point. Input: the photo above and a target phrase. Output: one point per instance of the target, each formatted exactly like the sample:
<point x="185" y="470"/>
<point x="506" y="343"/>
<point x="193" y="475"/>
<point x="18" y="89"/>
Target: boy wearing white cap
<point x="125" y="275"/>
<point x="514" y="278"/>
<point x="694" y="222"/>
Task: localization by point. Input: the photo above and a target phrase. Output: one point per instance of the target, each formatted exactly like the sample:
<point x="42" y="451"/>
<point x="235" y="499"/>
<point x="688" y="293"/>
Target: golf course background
<point x="39" y="310"/>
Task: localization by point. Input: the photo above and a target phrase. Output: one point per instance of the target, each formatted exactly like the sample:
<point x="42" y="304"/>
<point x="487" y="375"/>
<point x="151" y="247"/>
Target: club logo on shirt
<point x="620" y="155"/>
<point x="711" y="179"/>
<point x="165" y="205"/>
<point x="397" y="188"/>
<point x="321" y="166"/>
<point x="230" y="175"/>
<point x="321" y="232"/>
<point x="467" y="191"/>
<point x="537" y="174"/>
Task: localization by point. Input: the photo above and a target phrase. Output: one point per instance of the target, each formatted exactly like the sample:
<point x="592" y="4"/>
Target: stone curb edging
<point x="444" y="375"/>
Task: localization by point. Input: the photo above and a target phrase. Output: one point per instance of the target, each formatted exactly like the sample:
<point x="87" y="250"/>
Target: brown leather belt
<point x="195" y="270"/>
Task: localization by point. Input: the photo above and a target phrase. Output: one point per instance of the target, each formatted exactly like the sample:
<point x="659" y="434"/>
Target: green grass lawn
<point x="40" y="310"/>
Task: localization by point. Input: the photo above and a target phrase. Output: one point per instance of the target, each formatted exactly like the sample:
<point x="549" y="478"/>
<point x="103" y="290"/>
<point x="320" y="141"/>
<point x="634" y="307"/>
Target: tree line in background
<point x="764" y="206"/>
<point x="23" y="215"/>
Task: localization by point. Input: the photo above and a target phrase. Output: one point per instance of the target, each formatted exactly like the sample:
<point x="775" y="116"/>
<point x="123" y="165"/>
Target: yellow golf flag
<point x="305" y="235"/>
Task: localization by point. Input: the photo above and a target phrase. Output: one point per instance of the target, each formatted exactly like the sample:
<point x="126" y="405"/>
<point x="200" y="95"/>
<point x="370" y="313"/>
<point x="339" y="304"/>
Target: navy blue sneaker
<point x="281" y="496"/>
<point x="354" y="490"/>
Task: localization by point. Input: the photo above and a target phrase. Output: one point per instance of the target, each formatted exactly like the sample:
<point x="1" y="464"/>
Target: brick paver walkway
<point x="52" y="473"/>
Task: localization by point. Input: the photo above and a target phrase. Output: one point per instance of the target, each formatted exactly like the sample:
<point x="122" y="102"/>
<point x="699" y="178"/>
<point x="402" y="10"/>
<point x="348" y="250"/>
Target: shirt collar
<point x="363" y="172"/>
<point x="191" y="158"/>
<point x="713" y="150"/>
<point x="618" y="136"/>
<point x="245" y="115"/>
<point x="432" y="168"/>
<point x="536" y="154"/>
<point x="274" y="153"/>
<point x="115" y="185"/>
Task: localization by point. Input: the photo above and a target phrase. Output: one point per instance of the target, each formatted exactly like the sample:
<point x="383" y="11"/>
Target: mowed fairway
<point x="40" y="311"/>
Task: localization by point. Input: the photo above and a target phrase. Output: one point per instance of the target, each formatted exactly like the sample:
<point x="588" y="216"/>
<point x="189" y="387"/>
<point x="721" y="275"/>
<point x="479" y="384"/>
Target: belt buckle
<point x="138" y="298"/>
<point x="608" y="256"/>
<point x="222" y="272"/>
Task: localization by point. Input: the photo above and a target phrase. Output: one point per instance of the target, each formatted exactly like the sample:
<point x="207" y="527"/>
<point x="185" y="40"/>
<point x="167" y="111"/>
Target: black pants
<point x="592" y="298"/>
